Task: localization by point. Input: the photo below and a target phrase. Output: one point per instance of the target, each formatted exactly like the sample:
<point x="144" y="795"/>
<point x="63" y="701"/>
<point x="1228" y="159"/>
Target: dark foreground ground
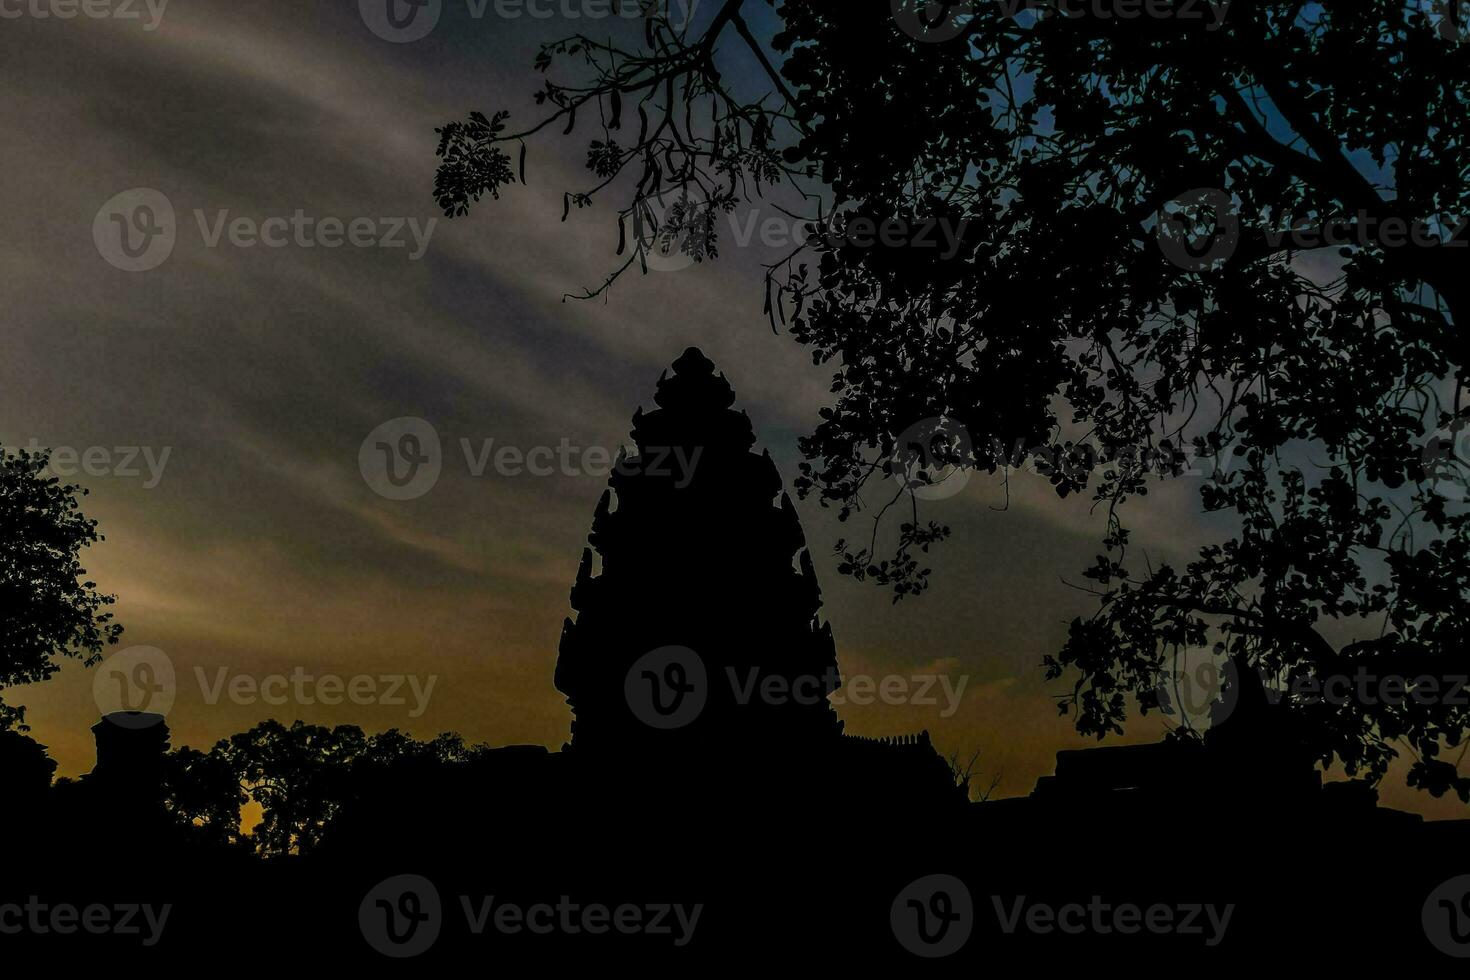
<point x="534" y="860"/>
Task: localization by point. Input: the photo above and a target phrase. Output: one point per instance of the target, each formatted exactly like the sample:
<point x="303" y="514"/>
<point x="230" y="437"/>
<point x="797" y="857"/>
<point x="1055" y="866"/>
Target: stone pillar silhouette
<point x="25" y="768"/>
<point x="700" y="633"/>
<point x="25" y="784"/>
<point x="131" y="750"/>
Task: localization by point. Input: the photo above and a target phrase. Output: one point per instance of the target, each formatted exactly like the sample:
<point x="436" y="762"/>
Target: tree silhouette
<point x="302" y="777"/>
<point x="47" y="609"/>
<point x="204" y="792"/>
<point x="1230" y="239"/>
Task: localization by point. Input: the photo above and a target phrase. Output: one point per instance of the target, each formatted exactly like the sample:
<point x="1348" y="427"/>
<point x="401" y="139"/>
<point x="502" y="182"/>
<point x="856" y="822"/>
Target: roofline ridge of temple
<point x="918" y="739"/>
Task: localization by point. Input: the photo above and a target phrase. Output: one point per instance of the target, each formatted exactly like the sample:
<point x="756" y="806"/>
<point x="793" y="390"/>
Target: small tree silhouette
<point x="302" y="776"/>
<point x="47" y="609"/>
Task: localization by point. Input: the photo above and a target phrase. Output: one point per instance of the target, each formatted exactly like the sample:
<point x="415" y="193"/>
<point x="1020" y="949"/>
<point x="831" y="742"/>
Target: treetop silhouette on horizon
<point x="47" y="609"/>
<point x="1180" y="238"/>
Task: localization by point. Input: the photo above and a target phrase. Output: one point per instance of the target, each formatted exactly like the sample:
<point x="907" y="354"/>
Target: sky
<point x="223" y="395"/>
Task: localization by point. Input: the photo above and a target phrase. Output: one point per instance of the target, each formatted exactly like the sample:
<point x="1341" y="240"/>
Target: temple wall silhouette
<point x="791" y="829"/>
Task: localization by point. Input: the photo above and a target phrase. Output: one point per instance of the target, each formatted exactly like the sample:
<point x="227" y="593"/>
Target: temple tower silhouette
<point x="132" y="748"/>
<point x="700" y="630"/>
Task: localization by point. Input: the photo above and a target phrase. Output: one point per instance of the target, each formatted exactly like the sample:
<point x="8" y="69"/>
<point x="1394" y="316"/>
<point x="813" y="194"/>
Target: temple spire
<point x="701" y="552"/>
